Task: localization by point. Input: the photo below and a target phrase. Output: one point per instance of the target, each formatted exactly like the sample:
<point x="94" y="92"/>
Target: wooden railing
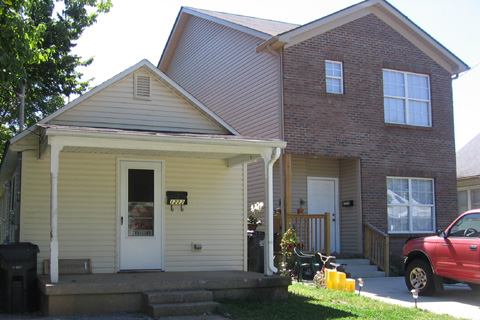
<point x="313" y="230"/>
<point x="377" y="247"/>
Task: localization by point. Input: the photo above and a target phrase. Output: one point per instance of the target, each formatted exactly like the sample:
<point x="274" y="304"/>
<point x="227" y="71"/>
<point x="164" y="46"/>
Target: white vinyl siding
<point x="88" y="216"/>
<point x="407" y="98"/>
<point x="115" y="107"/>
<point x="334" y="76"/>
<point x="237" y="82"/>
<point x="350" y="217"/>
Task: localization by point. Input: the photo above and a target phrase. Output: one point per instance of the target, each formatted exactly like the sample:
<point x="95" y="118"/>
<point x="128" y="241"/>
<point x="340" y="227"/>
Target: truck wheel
<point x="419" y="276"/>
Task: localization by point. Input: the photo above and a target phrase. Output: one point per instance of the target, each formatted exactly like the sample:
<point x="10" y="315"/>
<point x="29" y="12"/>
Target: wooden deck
<point x="122" y="292"/>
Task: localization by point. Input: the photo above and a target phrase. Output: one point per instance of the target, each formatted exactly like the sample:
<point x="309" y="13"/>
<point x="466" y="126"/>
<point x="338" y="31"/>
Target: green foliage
<point x="36" y="40"/>
<point x="289" y="237"/>
<point x="308" y="302"/>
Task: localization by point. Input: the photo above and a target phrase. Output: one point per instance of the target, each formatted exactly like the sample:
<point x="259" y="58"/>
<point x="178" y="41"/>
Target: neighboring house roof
<point x="468" y="161"/>
<point x="286" y="35"/>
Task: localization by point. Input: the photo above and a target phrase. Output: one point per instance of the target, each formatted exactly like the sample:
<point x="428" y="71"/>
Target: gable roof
<point x="160" y="76"/>
<point x="267" y="27"/>
<point x="285" y="34"/>
<point x="468" y="161"/>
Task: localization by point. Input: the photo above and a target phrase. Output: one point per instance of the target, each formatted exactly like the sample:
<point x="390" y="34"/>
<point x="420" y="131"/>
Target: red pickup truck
<point x="452" y="256"/>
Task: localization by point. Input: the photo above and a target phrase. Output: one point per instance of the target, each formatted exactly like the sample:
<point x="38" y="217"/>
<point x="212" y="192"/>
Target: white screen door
<point x="322" y="198"/>
<point x="140" y="215"/>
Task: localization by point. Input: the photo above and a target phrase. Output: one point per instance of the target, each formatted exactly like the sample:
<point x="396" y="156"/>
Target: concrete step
<point x="181" y="309"/>
<point x="355" y="262"/>
<point x="178" y="303"/>
<point x="181" y="296"/>
<point x="360" y="268"/>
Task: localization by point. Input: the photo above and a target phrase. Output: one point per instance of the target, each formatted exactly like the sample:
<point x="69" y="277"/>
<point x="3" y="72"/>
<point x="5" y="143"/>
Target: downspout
<point x="282" y="132"/>
<point x="269" y="160"/>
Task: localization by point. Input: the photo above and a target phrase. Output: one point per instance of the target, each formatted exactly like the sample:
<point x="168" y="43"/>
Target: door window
<point x="140" y="203"/>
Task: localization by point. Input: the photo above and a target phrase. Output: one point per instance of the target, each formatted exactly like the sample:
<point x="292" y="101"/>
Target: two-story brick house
<point x="363" y="98"/>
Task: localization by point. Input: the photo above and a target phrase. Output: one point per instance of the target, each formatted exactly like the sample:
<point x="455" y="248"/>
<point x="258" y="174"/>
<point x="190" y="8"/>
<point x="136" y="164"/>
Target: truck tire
<point x="419" y="275"/>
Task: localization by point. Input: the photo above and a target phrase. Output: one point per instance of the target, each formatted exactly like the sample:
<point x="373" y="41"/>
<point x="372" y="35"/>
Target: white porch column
<point x="269" y="159"/>
<point x="54" y="161"/>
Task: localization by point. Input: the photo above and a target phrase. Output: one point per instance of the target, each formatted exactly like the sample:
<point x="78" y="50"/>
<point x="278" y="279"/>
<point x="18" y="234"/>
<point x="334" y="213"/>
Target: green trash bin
<point x="18" y="277"/>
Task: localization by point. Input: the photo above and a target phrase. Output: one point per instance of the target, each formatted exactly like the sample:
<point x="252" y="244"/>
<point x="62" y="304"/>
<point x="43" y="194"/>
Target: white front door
<point x="140" y="195"/>
<point x="322" y="198"/>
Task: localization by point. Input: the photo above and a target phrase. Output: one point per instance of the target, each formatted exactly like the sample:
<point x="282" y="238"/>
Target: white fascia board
<point x="159" y="142"/>
<point x="389" y="15"/>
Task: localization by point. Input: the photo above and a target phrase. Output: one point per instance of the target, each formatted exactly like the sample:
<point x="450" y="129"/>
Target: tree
<point x="36" y="39"/>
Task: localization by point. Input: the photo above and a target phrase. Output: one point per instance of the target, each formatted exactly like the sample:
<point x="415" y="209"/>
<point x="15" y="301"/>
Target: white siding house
<point x="95" y="176"/>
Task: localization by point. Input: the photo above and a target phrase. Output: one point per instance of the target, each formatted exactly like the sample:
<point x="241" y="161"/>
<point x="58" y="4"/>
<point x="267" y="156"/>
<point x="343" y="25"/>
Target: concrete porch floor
<point x="122" y="292"/>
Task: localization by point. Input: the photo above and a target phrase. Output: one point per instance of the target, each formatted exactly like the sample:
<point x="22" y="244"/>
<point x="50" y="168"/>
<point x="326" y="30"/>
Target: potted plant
<point x="289" y="241"/>
<point x="255" y="210"/>
<point x="302" y="203"/>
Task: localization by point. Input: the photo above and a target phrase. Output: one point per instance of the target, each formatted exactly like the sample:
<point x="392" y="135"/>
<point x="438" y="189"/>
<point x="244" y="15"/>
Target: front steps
<point x="178" y="303"/>
<point x="360" y="268"/>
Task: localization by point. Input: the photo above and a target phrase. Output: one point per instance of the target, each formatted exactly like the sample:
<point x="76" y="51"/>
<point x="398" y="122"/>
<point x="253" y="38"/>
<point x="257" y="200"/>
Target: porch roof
<point x="232" y="149"/>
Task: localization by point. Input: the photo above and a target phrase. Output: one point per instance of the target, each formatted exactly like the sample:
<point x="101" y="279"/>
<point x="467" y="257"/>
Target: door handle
<point x="121" y="221"/>
<point x="473" y="247"/>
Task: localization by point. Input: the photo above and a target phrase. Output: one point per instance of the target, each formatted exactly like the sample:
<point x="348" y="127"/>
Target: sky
<point x="136" y="30"/>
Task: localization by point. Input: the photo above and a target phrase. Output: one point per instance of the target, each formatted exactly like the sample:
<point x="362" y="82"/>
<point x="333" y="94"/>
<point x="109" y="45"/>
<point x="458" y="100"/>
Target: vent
<point x="142" y="87"/>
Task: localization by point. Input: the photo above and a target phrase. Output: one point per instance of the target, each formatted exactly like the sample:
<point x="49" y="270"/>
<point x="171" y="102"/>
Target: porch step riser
<point x="181" y="309"/>
<point x="178" y="303"/>
<point x="160" y="297"/>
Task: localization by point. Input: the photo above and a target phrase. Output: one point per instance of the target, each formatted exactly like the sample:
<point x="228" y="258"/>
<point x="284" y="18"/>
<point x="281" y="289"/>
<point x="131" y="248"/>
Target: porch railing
<point x="377" y="247"/>
<point x="313" y="230"/>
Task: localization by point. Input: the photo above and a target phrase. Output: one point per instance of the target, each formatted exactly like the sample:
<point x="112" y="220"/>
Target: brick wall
<point x="352" y="124"/>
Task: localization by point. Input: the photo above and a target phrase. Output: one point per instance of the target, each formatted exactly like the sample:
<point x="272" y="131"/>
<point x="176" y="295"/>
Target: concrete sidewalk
<point x="458" y="300"/>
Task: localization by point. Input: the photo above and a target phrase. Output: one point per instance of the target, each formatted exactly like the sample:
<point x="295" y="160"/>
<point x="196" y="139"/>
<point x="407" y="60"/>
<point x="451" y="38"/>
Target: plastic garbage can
<point x="18" y="277"/>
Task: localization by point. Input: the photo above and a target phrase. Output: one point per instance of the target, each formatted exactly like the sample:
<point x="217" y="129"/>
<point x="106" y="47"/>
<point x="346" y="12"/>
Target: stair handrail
<point x="377" y="247"/>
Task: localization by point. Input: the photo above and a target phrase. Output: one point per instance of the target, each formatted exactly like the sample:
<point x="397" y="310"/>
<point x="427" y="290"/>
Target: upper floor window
<point x="334" y="76"/>
<point x="410" y="205"/>
<point x="407" y="98"/>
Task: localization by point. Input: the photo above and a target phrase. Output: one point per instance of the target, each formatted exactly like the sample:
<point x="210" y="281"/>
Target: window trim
<point x="410" y="218"/>
<point x="342" y="91"/>
<point x="406" y="99"/>
<point x="470" y="204"/>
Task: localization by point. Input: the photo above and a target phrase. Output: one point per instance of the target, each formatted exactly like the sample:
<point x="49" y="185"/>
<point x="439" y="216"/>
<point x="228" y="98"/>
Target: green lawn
<point x="308" y="302"/>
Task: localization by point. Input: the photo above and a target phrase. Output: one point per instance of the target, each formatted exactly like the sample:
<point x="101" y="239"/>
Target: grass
<point x="307" y="302"/>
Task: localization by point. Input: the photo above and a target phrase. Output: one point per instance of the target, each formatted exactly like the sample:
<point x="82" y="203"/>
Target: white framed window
<point x="407" y="98"/>
<point x="468" y="199"/>
<point x="334" y="76"/>
<point x="410" y="205"/>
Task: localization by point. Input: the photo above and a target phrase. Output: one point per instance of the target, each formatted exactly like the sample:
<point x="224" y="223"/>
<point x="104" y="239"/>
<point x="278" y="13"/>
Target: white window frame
<point x="470" y="198"/>
<point x="333" y="77"/>
<point x="407" y="98"/>
<point x="412" y="205"/>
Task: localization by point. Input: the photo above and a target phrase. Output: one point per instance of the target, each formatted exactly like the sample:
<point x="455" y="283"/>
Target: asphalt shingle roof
<point x="269" y="27"/>
<point x="468" y="160"/>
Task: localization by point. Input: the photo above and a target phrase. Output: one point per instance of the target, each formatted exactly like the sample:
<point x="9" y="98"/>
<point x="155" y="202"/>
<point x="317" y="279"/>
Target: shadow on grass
<point x="295" y="307"/>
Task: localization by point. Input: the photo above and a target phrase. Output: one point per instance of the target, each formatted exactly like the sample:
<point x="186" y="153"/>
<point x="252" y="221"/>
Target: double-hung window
<point x="334" y="76"/>
<point x="410" y="205"/>
<point x="407" y="98"/>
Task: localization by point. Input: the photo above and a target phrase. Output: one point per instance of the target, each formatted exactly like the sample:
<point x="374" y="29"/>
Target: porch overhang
<point x="233" y="150"/>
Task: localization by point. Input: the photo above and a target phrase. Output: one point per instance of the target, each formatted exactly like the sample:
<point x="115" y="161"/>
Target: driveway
<point x="458" y="300"/>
